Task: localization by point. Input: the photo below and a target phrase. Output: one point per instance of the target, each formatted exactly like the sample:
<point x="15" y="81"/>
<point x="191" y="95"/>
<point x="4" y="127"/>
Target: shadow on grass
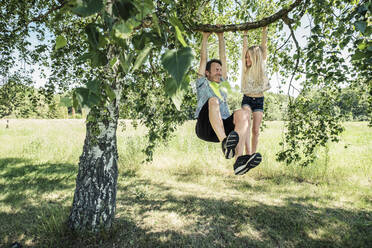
<point x="19" y="175"/>
<point x="7" y="162"/>
<point x="228" y="223"/>
<point x="210" y="222"/>
<point x="33" y="224"/>
<point x="23" y="212"/>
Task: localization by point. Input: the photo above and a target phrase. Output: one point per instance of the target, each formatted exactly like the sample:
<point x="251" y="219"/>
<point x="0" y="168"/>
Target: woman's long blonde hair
<point x="256" y="72"/>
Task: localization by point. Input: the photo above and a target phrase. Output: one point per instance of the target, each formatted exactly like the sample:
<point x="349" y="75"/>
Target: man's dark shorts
<point x="255" y="103"/>
<point x="204" y="128"/>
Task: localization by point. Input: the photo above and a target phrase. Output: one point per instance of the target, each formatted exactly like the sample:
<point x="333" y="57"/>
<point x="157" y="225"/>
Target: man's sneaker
<point x="229" y="144"/>
<point x="246" y="162"/>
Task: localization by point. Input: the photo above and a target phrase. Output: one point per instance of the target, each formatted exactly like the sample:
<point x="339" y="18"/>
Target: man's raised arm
<point x="203" y="55"/>
<point x="222" y="52"/>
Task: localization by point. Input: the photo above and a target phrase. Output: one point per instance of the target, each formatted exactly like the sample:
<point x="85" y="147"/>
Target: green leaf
<point x="60" y="42"/>
<point x="109" y="92"/>
<point x="216" y="89"/>
<point x="361" y="26"/>
<point x="123" y="30"/>
<point x="86" y="8"/>
<point x="358" y="55"/>
<point x="109" y="20"/>
<point x="75" y="102"/>
<point x="139" y="41"/>
<point x="93" y="35"/>
<point x="65" y="101"/>
<point x="84" y="57"/>
<point x="81" y="95"/>
<point x="362" y="9"/>
<point x="362" y="46"/>
<point x="98" y="58"/>
<point x="368" y="31"/>
<point x="145" y="7"/>
<point x="179" y="36"/>
<point x="178" y="27"/>
<point x="93" y="100"/>
<point x="90" y="118"/>
<point x="86" y="98"/>
<point x="113" y="61"/>
<point x="141" y="57"/>
<point x="102" y="41"/>
<point x="176" y="91"/>
<point x="175" y="22"/>
<point x="93" y="86"/>
<point x="298" y="77"/>
<point x="177" y="62"/>
<point x="125" y="9"/>
<point x="156" y="24"/>
<point x="126" y="61"/>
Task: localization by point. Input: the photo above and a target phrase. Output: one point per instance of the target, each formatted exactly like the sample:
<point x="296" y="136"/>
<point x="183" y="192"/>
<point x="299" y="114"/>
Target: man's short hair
<point x="209" y="63"/>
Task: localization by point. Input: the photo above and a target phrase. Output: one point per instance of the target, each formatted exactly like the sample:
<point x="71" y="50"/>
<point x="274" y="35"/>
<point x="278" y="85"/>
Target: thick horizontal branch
<point x="281" y="14"/>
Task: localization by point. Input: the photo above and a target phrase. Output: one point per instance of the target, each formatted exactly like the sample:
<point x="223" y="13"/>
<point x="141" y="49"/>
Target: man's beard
<point x="217" y="79"/>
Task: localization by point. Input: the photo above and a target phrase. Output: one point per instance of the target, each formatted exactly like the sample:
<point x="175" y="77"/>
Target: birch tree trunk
<point x="94" y="200"/>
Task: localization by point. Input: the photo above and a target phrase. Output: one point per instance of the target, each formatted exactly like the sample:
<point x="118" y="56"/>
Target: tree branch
<point x="40" y="17"/>
<point x="248" y="25"/>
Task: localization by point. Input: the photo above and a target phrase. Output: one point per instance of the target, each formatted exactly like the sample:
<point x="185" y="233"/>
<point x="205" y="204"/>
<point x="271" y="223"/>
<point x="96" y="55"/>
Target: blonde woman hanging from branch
<point x="254" y="82"/>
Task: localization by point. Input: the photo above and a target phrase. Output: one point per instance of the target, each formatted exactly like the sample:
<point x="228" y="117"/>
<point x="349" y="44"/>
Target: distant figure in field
<point x="214" y="122"/>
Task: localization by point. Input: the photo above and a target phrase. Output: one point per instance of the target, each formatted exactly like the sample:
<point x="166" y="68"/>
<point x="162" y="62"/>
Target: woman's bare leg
<point x="257" y="120"/>
<point x="241" y="127"/>
<point x="247" y="142"/>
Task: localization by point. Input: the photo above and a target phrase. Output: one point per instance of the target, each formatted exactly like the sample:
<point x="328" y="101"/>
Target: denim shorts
<point x="255" y="103"/>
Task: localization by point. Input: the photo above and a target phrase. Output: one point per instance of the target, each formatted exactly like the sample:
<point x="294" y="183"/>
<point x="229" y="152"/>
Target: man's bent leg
<point x="215" y="118"/>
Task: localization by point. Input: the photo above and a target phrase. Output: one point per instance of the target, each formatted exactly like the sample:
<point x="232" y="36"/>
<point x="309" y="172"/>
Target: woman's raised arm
<point x="264" y="42"/>
<point x="245" y="47"/>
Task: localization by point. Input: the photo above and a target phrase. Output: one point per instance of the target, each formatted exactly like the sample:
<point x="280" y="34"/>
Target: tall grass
<point x="188" y="196"/>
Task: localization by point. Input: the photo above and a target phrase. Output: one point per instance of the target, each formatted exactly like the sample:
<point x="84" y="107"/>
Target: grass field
<point x="188" y="196"/>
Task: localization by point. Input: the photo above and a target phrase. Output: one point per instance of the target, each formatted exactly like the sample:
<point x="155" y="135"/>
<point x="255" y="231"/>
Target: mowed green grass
<point x="188" y="196"/>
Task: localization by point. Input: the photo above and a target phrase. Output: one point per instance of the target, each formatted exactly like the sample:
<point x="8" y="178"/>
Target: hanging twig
<point x="274" y="54"/>
<point x="298" y="53"/>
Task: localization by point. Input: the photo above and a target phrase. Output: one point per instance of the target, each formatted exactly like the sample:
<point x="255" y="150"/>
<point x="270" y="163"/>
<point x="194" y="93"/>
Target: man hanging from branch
<point x="214" y="122"/>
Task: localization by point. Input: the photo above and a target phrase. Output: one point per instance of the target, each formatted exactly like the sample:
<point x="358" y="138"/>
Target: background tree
<point x="12" y="94"/>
